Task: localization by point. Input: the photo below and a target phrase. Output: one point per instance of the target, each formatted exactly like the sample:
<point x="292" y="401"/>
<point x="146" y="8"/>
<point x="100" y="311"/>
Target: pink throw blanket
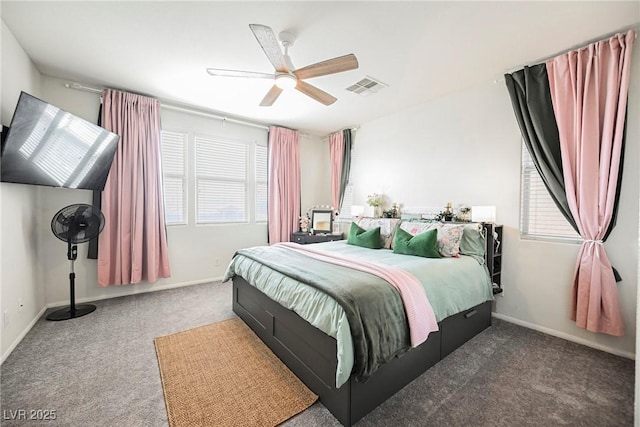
<point x="420" y="315"/>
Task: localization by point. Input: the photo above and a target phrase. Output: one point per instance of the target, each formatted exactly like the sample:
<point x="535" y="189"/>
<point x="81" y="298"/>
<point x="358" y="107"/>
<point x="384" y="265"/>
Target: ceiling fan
<point x="286" y="76"/>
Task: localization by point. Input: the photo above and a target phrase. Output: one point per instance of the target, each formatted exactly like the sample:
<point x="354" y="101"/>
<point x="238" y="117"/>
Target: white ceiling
<point x="422" y="50"/>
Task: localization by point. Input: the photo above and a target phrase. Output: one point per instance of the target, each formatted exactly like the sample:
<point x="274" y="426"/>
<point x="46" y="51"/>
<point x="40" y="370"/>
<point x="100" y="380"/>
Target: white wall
<point x="465" y="148"/>
<point x="20" y="278"/>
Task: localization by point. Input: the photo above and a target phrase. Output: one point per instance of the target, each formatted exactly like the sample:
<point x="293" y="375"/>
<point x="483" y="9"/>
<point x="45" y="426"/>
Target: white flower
<point x="375" y="199"/>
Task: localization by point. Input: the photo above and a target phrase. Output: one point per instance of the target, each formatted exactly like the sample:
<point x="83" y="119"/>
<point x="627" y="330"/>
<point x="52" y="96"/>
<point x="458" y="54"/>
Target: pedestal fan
<point x="74" y="224"/>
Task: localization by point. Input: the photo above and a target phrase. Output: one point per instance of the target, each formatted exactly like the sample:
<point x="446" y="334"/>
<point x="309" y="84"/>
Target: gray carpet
<point x="101" y="370"/>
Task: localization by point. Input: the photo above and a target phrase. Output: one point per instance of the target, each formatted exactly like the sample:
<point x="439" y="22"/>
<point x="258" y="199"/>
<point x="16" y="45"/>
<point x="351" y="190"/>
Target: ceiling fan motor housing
<point x="286" y="38"/>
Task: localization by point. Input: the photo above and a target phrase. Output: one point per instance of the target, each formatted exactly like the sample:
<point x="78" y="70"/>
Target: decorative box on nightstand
<point x="306" y="238"/>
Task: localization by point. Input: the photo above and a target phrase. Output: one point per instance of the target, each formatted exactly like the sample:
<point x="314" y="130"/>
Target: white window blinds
<point x="221" y="180"/>
<point x="261" y="183"/>
<point x="540" y="218"/>
<point x="174" y="154"/>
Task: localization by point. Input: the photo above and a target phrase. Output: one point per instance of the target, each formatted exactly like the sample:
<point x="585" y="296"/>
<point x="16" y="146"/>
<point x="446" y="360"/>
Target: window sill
<point x="552" y="239"/>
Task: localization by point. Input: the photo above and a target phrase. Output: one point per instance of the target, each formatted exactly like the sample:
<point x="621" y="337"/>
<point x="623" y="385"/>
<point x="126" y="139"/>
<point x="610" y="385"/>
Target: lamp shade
<point x="483" y="213"/>
<point x="357" y="210"/>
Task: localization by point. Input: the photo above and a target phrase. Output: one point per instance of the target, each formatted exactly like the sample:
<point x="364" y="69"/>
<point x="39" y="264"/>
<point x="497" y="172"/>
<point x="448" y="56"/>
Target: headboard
<point x="420" y="212"/>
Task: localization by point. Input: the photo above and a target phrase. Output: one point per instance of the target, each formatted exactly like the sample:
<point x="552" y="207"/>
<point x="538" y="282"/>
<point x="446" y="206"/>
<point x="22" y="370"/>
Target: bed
<point x="310" y="332"/>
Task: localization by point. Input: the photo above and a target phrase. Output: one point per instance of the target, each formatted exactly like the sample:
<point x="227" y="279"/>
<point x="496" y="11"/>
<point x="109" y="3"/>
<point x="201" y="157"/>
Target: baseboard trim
<point x="565" y="336"/>
<point x="22" y="335"/>
<point x="127" y="290"/>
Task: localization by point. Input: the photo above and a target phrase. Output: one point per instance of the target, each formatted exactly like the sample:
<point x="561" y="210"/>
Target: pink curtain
<point x="336" y="154"/>
<point x="284" y="183"/>
<point x="133" y="244"/>
<point x="589" y="94"/>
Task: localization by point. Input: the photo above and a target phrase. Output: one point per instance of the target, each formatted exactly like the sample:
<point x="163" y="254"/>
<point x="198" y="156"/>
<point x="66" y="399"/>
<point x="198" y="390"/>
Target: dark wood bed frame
<point x="312" y="355"/>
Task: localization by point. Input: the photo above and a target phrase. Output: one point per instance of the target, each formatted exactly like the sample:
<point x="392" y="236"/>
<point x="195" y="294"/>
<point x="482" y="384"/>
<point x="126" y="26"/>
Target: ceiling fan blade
<point x="315" y="93"/>
<point x="330" y="66"/>
<point x="269" y="43"/>
<point x="235" y="73"/>
<point x="271" y="96"/>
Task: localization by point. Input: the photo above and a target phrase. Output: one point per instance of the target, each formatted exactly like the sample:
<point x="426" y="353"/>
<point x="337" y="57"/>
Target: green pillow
<point x="424" y="244"/>
<point x="366" y="238"/>
<point x="473" y="241"/>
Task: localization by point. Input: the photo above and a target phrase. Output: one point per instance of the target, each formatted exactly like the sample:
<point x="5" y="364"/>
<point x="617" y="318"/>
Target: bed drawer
<point x="460" y="328"/>
<point x="309" y="352"/>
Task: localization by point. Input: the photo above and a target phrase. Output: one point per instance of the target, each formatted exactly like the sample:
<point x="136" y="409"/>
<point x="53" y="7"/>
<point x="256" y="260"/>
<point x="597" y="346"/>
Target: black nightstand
<point x="306" y="238"/>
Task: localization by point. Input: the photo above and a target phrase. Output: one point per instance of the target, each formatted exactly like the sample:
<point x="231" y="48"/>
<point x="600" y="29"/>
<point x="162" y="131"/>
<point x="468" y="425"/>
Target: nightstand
<point x="306" y="238"/>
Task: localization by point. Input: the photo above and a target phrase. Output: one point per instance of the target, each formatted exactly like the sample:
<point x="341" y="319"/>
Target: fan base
<point x="65" y="313"/>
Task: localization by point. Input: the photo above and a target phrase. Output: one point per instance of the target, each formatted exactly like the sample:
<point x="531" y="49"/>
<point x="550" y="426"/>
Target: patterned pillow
<point x="415" y="227"/>
<point x="449" y="235"/>
<point x="387" y="228"/>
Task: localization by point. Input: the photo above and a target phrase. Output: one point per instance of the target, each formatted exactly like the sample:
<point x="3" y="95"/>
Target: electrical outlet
<point x="20" y="304"/>
<point x="217" y="261"/>
<point x="5" y="318"/>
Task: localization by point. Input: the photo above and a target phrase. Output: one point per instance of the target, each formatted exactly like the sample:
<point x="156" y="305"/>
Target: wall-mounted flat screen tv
<point x="48" y="146"/>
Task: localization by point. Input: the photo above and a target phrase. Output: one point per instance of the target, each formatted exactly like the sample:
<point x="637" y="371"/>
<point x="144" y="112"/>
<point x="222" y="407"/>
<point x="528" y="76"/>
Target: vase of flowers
<point x="375" y="200"/>
<point x="304" y="223"/>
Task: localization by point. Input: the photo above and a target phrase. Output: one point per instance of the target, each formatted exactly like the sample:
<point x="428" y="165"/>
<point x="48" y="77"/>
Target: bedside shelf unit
<point x="306" y="238"/>
<point x="494" y="255"/>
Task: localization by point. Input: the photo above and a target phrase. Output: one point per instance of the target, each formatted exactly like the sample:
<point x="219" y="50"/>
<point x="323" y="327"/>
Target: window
<point x="174" y="150"/>
<point x="261" y="182"/>
<point x="221" y="180"/>
<point x="540" y="218"/>
<point x="215" y="172"/>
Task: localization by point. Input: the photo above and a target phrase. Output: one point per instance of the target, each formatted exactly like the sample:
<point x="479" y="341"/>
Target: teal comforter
<point x="452" y="285"/>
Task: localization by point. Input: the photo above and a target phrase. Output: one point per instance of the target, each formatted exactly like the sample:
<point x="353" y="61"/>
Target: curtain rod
<point x="174" y="107"/>
<point x="326" y="138"/>
<point x="575" y="47"/>
<point x="185" y="109"/>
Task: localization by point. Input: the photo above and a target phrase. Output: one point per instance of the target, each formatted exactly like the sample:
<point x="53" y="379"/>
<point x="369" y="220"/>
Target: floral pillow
<point x="416" y="227"/>
<point x="449" y="235"/>
<point x="387" y="228"/>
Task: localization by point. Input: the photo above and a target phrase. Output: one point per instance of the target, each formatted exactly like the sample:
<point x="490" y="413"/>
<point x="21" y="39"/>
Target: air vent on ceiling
<point x="367" y="86"/>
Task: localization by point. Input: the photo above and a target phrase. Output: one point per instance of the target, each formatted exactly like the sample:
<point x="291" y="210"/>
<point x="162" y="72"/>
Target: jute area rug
<point x="223" y="375"/>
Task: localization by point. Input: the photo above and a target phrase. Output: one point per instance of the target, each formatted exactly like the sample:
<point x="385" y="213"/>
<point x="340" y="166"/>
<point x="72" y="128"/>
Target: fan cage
<point x="77" y="223"/>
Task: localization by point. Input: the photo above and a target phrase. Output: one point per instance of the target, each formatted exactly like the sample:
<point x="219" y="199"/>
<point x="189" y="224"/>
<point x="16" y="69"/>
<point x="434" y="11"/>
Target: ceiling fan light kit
<point x="286" y="76"/>
<point x="286" y="80"/>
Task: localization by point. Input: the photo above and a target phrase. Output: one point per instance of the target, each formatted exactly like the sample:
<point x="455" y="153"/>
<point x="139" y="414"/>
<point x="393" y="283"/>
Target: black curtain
<point x="346" y="165"/>
<point x="97" y="203"/>
<point x="531" y="100"/>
